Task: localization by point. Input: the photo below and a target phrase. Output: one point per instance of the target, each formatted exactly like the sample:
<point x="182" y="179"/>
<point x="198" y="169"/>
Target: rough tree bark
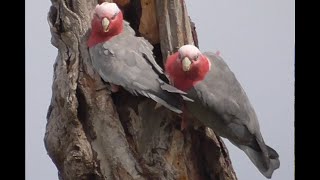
<point x="97" y="135"/>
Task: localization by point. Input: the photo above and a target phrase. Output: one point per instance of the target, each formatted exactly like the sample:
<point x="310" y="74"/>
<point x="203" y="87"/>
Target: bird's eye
<point x="114" y="16"/>
<point x="196" y="57"/>
<point x="179" y="56"/>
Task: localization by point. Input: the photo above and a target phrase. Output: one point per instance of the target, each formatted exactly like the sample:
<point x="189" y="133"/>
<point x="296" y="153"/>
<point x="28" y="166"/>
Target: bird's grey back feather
<point x="222" y="104"/>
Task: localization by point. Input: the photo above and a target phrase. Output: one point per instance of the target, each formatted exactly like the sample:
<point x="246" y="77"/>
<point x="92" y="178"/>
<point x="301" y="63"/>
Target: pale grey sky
<point x="256" y="39"/>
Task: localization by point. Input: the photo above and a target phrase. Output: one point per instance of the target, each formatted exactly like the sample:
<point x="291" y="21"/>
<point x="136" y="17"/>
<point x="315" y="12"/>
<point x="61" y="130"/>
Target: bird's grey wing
<point x="123" y="66"/>
<point x="220" y="91"/>
<point x="143" y="49"/>
<point x="123" y="60"/>
<point x="142" y="45"/>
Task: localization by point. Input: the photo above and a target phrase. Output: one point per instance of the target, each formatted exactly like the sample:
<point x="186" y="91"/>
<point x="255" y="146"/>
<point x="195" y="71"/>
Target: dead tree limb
<point x="97" y="135"/>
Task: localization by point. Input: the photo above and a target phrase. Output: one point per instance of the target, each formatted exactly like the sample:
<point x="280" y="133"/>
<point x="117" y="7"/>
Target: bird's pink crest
<point x="189" y="50"/>
<point x="107" y="9"/>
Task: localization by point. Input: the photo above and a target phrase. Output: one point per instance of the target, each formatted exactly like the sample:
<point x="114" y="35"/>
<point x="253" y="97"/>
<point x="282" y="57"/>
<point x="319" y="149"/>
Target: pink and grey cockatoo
<point x="122" y="59"/>
<point x="220" y="103"/>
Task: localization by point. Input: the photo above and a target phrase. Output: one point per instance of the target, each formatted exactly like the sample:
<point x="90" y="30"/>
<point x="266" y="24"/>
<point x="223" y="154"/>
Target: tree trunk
<point x="97" y="135"/>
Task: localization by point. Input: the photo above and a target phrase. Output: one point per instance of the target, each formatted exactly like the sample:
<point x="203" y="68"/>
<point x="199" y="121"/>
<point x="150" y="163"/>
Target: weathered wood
<point x="194" y="33"/>
<point x="174" y="25"/>
<point x="122" y="3"/>
<point x="84" y="136"/>
<point x="148" y="22"/>
<point x="97" y="135"/>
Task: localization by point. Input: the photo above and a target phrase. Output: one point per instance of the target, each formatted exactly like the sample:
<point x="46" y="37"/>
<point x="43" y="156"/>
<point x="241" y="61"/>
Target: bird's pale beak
<point x="105" y="24"/>
<point x="186" y="64"/>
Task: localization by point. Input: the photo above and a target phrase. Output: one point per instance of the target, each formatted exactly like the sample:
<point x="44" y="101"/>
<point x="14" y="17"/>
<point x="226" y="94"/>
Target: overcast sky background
<point x="256" y="39"/>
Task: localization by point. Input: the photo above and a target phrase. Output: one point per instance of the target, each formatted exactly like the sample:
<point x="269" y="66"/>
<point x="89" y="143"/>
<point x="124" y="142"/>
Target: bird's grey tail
<point x="170" y="101"/>
<point x="170" y="97"/>
<point x="266" y="161"/>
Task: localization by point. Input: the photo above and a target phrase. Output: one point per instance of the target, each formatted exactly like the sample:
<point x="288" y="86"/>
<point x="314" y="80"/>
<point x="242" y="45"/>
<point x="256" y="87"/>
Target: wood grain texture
<point x="175" y="29"/>
<point x="122" y="3"/>
<point x="148" y="22"/>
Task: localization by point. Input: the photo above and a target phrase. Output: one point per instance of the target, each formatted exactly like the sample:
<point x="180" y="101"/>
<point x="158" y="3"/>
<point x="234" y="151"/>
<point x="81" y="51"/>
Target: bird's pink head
<point x="187" y="67"/>
<point x="106" y="23"/>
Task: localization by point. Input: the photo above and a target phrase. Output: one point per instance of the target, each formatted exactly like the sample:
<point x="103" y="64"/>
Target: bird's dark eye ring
<point x="196" y="57"/>
<point x="114" y="16"/>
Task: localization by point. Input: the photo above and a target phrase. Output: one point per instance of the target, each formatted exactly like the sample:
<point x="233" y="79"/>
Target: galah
<point x="220" y="103"/>
<point x="122" y="59"/>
